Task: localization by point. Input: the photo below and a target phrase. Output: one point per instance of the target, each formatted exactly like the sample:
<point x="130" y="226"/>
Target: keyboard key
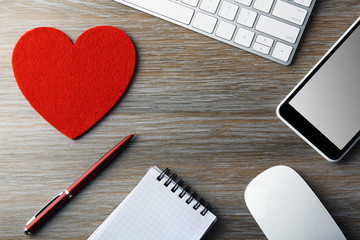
<point x="244" y="37"/>
<point x="228" y="10"/>
<point x="282" y="51"/>
<point x="289" y="12"/>
<point x="277" y="29"/>
<point x="261" y="48"/>
<point x="263" y="5"/>
<point x="168" y="9"/>
<point x="193" y="3"/>
<point x="305" y="3"/>
<point x="247" y="17"/>
<point x="225" y="30"/>
<point x="209" y="5"/>
<point x="245" y="2"/>
<point x="264" y="40"/>
<point x="204" y="22"/>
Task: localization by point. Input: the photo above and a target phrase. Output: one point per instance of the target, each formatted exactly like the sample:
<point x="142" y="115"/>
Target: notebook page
<point x="153" y="211"/>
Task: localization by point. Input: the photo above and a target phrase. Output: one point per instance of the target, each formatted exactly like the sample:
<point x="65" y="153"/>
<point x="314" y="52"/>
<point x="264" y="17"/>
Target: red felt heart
<point x="72" y="86"/>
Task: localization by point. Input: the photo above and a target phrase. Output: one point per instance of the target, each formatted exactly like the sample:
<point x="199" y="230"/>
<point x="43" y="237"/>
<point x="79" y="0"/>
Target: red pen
<point x="60" y="200"/>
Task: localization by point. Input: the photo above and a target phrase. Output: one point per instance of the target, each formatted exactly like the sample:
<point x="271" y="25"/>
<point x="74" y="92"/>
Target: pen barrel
<point x="100" y="164"/>
<point x="48" y="212"/>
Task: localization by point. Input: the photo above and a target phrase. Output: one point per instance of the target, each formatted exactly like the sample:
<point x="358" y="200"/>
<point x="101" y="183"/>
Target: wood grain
<point x="200" y="107"/>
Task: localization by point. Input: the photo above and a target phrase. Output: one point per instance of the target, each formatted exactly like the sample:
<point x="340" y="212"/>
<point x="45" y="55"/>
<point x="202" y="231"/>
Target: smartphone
<point x="324" y="108"/>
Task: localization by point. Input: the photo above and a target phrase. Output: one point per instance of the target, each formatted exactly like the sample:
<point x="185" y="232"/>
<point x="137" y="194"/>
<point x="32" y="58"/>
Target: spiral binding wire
<point x="172" y="178"/>
<point x="165" y="172"/>
<point x="198" y="204"/>
<point x="185" y="190"/>
<point x="177" y="185"/>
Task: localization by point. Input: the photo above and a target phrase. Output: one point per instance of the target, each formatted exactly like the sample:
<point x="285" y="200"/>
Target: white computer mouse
<point x="285" y="207"/>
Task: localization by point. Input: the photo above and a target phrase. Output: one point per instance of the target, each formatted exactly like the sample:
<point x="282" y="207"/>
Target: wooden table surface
<point x="200" y="107"/>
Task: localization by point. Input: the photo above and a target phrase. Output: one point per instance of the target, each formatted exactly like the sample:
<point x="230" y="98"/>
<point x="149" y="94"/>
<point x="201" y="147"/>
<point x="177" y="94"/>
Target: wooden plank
<point x="200" y="107"/>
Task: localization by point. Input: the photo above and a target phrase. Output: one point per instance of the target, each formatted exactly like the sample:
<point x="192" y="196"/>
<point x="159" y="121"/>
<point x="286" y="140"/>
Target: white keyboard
<point x="268" y="28"/>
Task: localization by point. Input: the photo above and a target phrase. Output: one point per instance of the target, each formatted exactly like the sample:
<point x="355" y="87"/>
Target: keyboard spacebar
<point x="166" y="8"/>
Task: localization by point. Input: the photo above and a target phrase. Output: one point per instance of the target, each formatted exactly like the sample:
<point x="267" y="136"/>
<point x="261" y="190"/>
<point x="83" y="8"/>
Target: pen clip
<point x="43" y="208"/>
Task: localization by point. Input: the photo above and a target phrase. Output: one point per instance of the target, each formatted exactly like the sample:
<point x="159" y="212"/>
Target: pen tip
<point x="26" y="231"/>
<point x="133" y="133"/>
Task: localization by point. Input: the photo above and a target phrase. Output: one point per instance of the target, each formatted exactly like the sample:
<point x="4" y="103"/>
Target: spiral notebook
<point x="157" y="208"/>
